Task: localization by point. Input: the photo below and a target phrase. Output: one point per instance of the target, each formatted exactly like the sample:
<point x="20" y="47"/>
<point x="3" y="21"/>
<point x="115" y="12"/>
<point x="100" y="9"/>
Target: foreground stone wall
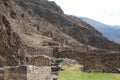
<point x="13" y="73"/>
<point x="38" y="73"/>
<point x="28" y="72"/>
<point x="1" y="74"/>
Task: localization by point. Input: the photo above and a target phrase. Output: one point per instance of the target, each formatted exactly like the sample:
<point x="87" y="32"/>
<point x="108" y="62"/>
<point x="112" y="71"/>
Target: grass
<point x="73" y="72"/>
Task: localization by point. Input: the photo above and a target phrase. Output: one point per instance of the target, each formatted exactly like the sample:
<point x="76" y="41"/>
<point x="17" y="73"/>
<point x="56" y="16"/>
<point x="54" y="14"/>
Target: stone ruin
<point x="19" y="62"/>
<point x="27" y="72"/>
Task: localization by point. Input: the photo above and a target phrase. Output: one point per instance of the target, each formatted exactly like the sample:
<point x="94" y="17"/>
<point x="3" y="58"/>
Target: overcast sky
<point x="106" y="11"/>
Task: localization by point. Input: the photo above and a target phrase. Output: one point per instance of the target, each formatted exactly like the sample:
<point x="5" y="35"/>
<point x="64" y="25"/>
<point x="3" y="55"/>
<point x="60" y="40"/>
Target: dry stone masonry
<point x="28" y="72"/>
<point x="33" y="32"/>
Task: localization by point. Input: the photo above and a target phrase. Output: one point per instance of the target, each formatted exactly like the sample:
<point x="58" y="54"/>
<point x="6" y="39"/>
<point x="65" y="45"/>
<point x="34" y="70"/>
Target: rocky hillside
<point x="25" y="35"/>
<point x="72" y="26"/>
<point x="109" y="31"/>
<point x="32" y="32"/>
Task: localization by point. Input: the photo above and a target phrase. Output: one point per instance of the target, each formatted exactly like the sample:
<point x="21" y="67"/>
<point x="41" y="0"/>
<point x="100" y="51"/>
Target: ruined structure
<point x="34" y="32"/>
<point x="28" y="72"/>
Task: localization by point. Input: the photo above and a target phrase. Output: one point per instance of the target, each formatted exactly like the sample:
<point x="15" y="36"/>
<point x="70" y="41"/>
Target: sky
<point x="105" y="11"/>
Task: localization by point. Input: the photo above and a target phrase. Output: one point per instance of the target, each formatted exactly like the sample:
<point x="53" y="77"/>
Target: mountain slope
<point x="110" y="32"/>
<point x="33" y="32"/>
<point x="24" y="35"/>
<point x="71" y="26"/>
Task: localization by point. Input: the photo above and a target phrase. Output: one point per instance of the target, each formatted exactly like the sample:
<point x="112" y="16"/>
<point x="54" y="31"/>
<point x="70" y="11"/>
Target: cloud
<point x="106" y="11"/>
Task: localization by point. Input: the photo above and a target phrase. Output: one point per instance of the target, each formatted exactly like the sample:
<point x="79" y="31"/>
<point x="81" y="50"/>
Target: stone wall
<point x="103" y="62"/>
<point x="95" y="60"/>
<point x="1" y="74"/>
<point x="13" y="73"/>
<point x="40" y="51"/>
<point x="42" y="60"/>
<point x="28" y="72"/>
<point x="39" y="73"/>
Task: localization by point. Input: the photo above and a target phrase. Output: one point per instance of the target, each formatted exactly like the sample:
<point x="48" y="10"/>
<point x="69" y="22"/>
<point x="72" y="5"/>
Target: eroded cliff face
<point x="12" y="49"/>
<point x="32" y="32"/>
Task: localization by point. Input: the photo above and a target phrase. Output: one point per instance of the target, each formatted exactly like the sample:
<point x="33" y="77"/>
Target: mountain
<point x="110" y="32"/>
<point x="37" y="32"/>
<point x="69" y="25"/>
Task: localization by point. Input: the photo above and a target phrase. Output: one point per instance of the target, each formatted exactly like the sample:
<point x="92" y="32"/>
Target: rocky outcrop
<point x="12" y="49"/>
